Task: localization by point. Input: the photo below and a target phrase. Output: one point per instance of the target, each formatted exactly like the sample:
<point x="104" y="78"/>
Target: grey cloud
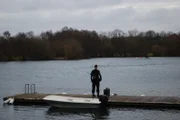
<point x="101" y="15"/>
<point x="34" y="5"/>
<point x="161" y="19"/>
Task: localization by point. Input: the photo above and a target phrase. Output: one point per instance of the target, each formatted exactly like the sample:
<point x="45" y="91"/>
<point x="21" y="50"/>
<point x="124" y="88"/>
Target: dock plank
<point x="114" y="101"/>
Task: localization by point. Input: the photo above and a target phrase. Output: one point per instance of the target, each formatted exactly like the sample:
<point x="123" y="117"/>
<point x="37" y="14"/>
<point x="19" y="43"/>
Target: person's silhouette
<point x="95" y="79"/>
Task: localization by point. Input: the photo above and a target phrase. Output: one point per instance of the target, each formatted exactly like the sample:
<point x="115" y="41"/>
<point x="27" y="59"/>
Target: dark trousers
<point x="95" y="85"/>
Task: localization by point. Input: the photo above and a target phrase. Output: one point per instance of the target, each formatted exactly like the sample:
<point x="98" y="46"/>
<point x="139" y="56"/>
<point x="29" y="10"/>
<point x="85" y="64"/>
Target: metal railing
<point x="30" y="88"/>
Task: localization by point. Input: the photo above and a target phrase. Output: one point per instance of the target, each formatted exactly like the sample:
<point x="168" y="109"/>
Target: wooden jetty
<point x="114" y="101"/>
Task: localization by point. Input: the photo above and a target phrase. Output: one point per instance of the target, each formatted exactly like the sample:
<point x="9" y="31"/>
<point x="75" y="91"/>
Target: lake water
<point x="124" y="76"/>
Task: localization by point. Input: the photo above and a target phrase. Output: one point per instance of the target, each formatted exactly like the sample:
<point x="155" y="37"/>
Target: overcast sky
<point x="100" y="15"/>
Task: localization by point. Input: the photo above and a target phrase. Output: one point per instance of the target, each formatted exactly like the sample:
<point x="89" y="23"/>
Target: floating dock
<point x="114" y="101"/>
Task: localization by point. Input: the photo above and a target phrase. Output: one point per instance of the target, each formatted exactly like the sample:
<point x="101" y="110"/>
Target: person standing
<point x="95" y="80"/>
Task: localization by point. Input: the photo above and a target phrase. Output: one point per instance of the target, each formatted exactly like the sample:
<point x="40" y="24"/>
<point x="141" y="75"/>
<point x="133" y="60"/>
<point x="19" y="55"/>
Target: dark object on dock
<point x="107" y="92"/>
<point x="104" y="99"/>
<point x="114" y="101"/>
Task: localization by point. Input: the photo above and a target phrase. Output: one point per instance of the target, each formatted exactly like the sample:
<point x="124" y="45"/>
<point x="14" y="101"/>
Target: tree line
<point x="69" y="43"/>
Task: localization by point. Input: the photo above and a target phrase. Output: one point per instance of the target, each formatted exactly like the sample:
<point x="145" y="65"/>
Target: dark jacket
<point x="96" y="76"/>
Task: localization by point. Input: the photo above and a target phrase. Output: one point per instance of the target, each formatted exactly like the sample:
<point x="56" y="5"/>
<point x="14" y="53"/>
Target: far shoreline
<point x="71" y="59"/>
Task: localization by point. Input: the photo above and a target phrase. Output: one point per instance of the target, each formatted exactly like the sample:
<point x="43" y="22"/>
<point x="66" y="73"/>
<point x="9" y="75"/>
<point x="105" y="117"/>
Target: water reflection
<point x="98" y="113"/>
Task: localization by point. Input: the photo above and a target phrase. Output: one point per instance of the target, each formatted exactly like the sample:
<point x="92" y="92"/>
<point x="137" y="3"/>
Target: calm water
<point x="124" y="76"/>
